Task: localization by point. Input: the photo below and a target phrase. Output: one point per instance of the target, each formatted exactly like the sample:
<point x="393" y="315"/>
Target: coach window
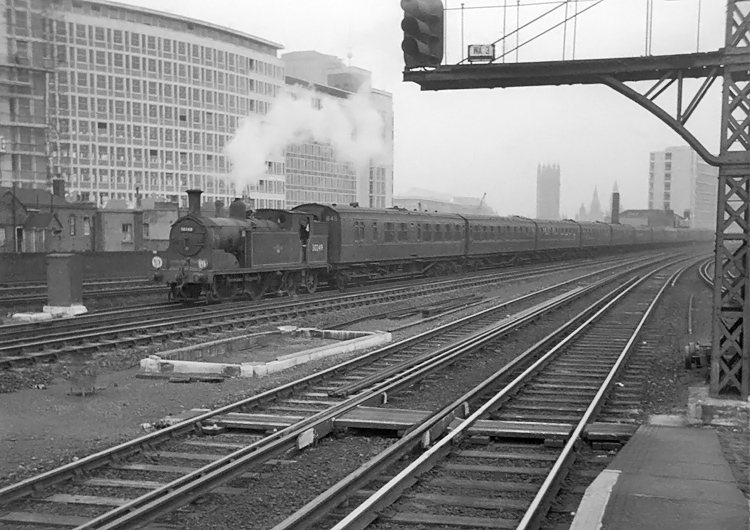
<point x="458" y="232"/>
<point x="402" y="232"/>
<point x="419" y="231"/>
<point x="427" y="232"/>
<point x="375" y="231"/>
<point x="448" y="233"/>
<point x="390" y="234"/>
<point x="438" y="233"/>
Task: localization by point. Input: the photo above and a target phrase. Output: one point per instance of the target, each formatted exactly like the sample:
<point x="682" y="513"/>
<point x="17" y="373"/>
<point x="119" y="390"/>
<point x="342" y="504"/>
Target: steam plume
<point x="352" y="127"/>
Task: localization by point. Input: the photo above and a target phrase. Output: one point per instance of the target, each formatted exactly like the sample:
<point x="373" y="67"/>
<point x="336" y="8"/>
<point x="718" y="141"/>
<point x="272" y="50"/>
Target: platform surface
<point x="666" y="478"/>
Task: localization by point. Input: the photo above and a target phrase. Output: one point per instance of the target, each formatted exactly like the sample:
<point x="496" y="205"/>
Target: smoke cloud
<point x="352" y="127"/>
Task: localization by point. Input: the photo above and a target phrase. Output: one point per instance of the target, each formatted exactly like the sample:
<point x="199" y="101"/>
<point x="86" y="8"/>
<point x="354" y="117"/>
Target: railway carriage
<point x="643" y="235"/>
<point x="622" y="235"/>
<point x="595" y="235"/>
<point x="490" y="236"/>
<point x="366" y="243"/>
<point x="558" y="235"/>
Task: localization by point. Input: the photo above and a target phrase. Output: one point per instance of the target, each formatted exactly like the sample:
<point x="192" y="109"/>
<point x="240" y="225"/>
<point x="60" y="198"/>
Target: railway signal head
<point x="423" y="32"/>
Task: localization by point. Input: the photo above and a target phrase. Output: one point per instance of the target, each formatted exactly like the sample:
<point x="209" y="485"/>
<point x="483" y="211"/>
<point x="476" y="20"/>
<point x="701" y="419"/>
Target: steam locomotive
<point x="286" y="251"/>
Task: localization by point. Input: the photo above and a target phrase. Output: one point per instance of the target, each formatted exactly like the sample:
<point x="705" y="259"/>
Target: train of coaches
<point x="266" y="251"/>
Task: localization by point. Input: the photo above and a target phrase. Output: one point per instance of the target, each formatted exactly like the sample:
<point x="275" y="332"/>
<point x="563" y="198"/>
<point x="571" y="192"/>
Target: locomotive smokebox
<point x="194" y="201"/>
<point x="238" y="210"/>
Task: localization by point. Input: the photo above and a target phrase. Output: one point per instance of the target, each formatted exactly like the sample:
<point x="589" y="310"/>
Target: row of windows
<point x="329" y="196"/>
<point x="332" y="166"/>
<point x="316" y="181"/>
<point x="444" y="232"/>
<point x="83" y="175"/>
<point x="312" y="149"/>
<point x="133" y="42"/>
<point x="106" y="154"/>
<point x="134" y="87"/>
<point x="127" y="110"/>
<point x="107" y="132"/>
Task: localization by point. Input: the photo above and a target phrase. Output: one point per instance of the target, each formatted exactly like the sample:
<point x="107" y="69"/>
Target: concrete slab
<point x="705" y="410"/>
<point x="668" y="420"/>
<point x="666" y="478"/>
<point x="180" y="363"/>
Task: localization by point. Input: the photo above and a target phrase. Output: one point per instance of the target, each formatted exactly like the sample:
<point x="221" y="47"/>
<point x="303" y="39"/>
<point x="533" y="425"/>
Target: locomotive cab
<point x="298" y="242"/>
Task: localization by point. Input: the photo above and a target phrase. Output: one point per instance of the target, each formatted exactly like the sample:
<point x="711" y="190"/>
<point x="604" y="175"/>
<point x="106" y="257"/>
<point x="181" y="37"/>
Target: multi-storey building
<point x="122" y="101"/>
<point x="315" y="171"/>
<point x="679" y="180"/>
<point x="548" y="192"/>
<point x="25" y="67"/>
<point x="138" y="99"/>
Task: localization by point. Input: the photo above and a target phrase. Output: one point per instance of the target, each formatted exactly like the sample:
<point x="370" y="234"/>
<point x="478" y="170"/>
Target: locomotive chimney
<point x="194" y="201"/>
<point x="238" y="210"/>
<point x="219" y="208"/>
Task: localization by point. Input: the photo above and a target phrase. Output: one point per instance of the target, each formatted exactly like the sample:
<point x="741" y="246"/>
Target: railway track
<point x="502" y="465"/>
<point x="23" y="344"/>
<point x="25" y="287"/>
<point x="295" y="414"/>
<point x="89" y="296"/>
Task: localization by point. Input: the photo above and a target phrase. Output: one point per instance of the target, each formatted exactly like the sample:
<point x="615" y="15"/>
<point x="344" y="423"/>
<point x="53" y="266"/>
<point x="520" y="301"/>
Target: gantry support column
<point x="730" y="363"/>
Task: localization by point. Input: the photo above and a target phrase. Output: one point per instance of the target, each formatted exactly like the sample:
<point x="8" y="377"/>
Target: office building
<point x="680" y="181"/>
<point x="315" y="172"/>
<point x="136" y="100"/>
<point x="122" y="101"/>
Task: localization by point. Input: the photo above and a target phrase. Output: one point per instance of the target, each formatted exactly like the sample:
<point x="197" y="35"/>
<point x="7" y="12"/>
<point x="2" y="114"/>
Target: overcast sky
<point x="474" y="141"/>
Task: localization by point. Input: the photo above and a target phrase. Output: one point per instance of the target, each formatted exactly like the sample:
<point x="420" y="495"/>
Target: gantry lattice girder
<point x="577" y="72"/>
<point x="730" y="365"/>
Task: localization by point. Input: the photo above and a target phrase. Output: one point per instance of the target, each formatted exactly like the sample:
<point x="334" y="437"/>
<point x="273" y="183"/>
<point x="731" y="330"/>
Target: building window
<point x="86" y="225"/>
<point x="72" y="222"/>
<point x="146" y="230"/>
<point x="127" y="232"/>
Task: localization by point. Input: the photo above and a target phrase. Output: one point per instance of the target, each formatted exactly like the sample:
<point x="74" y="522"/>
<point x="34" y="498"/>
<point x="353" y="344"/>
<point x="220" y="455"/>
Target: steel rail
<point x="183" y="490"/>
<point x="74" y="469"/>
<point x="97" y="294"/>
<point x="538" y="507"/>
<point x="140" y="329"/>
<point x="366" y="512"/>
<point x="431" y="429"/>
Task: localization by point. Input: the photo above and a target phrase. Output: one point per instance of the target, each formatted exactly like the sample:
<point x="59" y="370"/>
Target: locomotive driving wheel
<point x="290" y="282"/>
<point x="255" y="289"/>
<point x="342" y="281"/>
<point x="311" y="281"/>
<point x="226" y="290"/>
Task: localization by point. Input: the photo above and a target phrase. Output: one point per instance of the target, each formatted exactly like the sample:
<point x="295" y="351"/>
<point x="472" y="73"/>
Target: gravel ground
<point x="43" y="429"/>
<point x="336" y="461"/>
<point x="124" y="359"/>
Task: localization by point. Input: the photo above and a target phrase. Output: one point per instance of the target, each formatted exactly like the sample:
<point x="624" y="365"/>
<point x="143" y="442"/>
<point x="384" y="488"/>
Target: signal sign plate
<point x="481" y="52"/>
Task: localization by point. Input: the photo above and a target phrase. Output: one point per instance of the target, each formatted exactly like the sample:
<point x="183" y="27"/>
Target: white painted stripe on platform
<point x="594" y="503"/>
